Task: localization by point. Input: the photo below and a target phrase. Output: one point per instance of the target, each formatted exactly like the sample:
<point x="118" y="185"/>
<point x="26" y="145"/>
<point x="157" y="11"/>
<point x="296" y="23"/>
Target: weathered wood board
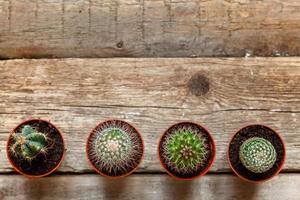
<point x="148" y="28"/>
<point x="222" y="94"/>
<point x="210" y="187"/>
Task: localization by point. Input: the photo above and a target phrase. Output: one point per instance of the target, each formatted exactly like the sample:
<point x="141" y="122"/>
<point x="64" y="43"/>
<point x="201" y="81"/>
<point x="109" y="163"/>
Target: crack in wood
<point x="63" y="18"/>
<point x="10" y="14"/>
<point x="90" y="16"/>
<point x="36" y="10"/>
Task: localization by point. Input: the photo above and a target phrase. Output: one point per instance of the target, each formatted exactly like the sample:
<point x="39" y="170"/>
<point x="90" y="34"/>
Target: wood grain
<point x="222" y="94"/>
<point x="90" y="187"/>
<point x="148" y="28"/>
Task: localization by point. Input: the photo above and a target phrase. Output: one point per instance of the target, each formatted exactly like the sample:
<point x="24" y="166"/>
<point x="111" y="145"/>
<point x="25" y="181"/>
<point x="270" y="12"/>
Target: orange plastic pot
<point x="210" y="163"/>
<point x="95" y="168"/>
<point x="16" y="168"/>
<point x="277" y="170"/>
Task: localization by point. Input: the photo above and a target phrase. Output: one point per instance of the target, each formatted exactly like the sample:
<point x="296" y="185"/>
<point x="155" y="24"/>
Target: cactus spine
<point x="28" y="143"/>
<point x="185" y="150"/>
<point x="257" y="154"/>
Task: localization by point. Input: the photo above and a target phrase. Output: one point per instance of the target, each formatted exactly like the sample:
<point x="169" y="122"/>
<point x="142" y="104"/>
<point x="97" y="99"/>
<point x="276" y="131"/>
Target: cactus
<point x="185" y="150"/>
<point x="28" y="143"/>
<point x="115" y="149"/>
<point x="257" y="154"/>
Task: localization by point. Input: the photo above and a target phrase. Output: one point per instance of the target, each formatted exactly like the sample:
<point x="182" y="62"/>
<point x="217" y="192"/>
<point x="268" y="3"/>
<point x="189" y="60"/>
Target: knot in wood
<point x="198" y="84"/>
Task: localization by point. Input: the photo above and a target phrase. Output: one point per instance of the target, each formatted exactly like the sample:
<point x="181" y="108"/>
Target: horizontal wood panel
<point x="222" y="94"/>
<point x="148" y="28"/>
<point x="147" y="187"/>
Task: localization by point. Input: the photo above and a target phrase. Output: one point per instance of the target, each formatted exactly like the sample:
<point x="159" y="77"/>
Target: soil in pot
<point x="186" y="150"/>
<point x="115" y="148"/>
<point x="35" y="148"/>
<point x="256" y="153"/>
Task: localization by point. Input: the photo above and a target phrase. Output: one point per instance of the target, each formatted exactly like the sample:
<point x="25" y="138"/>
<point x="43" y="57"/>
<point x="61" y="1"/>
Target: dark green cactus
<point x="257" y="154"/>
<point x="29" y="143"/>
<point x="185" y="150"/>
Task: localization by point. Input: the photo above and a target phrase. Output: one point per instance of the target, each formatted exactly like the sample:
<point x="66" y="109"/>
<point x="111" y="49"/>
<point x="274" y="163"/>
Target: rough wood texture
<point x="148" y="28"/>
<point x="162" y="187"/>
<point x="221" y="94"/>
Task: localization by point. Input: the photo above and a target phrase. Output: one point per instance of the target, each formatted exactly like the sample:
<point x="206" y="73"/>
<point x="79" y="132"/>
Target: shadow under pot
<point x="115" y="148"/>
<point x="256" y="153"/>
<point x="186" y="150"/>
<point x="35" y="148"/>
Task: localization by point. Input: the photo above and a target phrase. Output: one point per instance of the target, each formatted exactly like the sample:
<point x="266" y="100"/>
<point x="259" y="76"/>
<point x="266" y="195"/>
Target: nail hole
<point x="120" y="44"/>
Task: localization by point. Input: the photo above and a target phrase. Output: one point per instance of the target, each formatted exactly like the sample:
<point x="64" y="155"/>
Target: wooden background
<point x="148" y="28"/>
<point x="223" y="94"/>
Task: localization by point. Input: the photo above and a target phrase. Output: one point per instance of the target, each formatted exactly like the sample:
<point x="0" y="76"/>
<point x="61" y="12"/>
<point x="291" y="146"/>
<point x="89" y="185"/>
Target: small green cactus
<point x="185" y="150"/>
<point x="115" y="148"/>
<point x="257" y="154"/>
<point x="29" y="143"/>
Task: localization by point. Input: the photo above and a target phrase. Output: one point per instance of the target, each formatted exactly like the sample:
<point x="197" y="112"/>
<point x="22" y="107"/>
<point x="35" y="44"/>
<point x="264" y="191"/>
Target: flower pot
<point x="256" y="153"/>
<point x="186" y="150"/>
<point x="35" y="148"/>
<point x="114" y="148"/>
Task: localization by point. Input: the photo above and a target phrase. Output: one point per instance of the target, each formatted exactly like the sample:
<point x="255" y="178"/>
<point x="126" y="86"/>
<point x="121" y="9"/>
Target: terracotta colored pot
<point x="212" y="148"/>
<point x="17" y="168"/>
<point x="88" y="149"/>
<point x="278" y="169"/>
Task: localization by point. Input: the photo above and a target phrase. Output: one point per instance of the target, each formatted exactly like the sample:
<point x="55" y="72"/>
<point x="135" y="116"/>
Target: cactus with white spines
<point x="115" y="148"/>
<point x="257" y="154"/>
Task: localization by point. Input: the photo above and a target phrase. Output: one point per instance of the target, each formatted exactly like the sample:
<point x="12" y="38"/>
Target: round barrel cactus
<point x="185" y="150"/>
<point x="257" y="154"/>
<point x="115" y="148"/>
<point x="28" y="143"/>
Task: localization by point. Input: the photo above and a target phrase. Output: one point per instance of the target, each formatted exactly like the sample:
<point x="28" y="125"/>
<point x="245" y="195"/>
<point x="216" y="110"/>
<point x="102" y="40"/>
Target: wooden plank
<point x="147" y="187"/>
<point x="148" y="28"/>
<point x="222" y="94"/>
